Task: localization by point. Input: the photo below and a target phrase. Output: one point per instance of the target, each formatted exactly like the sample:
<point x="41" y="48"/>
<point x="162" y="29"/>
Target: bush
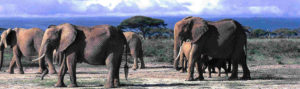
<point x="159" y="49"/>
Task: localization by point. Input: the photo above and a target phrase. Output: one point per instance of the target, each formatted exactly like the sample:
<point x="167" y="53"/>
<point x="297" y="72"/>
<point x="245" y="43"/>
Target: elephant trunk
<point x="176" y="59"/>
<point x="177" y="44"/>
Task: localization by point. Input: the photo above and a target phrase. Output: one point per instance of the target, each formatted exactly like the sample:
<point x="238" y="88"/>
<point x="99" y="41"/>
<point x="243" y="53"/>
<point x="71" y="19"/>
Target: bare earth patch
<point x="159" y="75"/>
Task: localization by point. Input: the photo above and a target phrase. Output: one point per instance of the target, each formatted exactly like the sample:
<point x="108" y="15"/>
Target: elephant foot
<point x="134" y="68"/>
<point x="246" y="78"/>
<point x="233" y="78"/>
<point x="10" y="71"/>
<point x="108" y="85"/>
<point x="142" y="67"/>
<point x="190" y="79"/>
<point x="200" y="78"/>
<point x="116" y="83"/>
<point x="52" y="72"/>
<point x="72" y="85"/>
<point x="60" y="85"/>
<point x="21" y="72"/>
<point x="182" y="71"/>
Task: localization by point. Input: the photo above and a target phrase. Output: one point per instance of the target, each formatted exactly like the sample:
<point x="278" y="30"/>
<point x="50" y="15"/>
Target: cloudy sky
<point x="205" y="8"/>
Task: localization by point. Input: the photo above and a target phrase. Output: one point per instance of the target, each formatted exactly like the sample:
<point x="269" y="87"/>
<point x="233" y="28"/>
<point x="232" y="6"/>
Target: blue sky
<point x="204" y="8"/>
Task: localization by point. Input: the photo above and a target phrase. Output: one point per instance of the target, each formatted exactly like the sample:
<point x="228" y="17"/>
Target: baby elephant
<point x="183" y="57"/>
<point x="214" y="62"/>
<point x="208" y="61"/>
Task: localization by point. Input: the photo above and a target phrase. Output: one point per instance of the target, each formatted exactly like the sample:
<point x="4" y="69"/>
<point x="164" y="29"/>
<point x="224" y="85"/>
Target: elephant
<point x="184" y="53"/>
<point x="214" y="62"/>
<point x="24" y="43"/>
<point x="224" y="39"/>
<point x="97" y="45"/>
<point x="135" y="46"/>
<point x="182" y="56"/>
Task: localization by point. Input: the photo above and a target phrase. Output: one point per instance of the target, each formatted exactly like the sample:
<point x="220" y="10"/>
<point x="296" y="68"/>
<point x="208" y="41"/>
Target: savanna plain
<point x="273" y="63"/>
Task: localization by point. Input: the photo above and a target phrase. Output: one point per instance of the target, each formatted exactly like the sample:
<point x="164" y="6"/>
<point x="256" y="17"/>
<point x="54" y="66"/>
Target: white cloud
<point x="263" y="9"/>
<point x="148" y="8"/>
<point x="197" y="6"/>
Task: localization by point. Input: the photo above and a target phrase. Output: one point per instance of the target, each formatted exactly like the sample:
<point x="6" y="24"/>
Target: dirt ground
<point x="159" y="75"/>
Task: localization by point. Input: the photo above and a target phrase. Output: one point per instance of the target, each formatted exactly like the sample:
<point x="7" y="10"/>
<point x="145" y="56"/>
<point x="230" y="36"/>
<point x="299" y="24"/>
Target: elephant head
<point x="189" y="28"/>
<point x="57" y="37"/>
<point x="7" y="40"/>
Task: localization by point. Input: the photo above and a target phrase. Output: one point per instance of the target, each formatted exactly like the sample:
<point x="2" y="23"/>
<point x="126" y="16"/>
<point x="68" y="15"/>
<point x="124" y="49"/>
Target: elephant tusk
<point x="179" y="52"/>
<point x="38" y="58"/>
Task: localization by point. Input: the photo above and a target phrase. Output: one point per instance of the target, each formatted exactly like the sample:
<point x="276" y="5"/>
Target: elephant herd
<point x="195" y="39"/>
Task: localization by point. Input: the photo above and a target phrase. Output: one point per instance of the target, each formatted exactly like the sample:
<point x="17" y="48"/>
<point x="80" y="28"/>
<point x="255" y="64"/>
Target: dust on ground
<point x="158" y="75"/>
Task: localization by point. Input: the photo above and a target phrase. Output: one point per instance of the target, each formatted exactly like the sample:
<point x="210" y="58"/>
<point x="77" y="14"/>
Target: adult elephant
<point x="98" y="45"/>
<point x="135" y="46"/>
<point x="222" y="39"/>
<point x="25" y="43"/>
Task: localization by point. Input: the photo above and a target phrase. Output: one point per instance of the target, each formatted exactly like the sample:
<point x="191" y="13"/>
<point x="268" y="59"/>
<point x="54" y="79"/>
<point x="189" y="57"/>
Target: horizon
<point x="151" y="8"/>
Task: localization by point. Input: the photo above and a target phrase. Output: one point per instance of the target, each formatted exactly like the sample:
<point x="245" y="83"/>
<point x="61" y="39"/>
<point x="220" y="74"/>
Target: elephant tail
<point x="246" y="48"/>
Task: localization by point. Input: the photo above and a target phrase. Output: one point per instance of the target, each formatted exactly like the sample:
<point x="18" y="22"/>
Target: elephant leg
<point x="71" y="64"/>
<point x="62" y="71"/>
<point x="142" y="63"/>
<point x="204" y="66"/>
<point x="184" y="66"/>
<point x="117" y="68"/>
<point x="11" y="66"/>
<point x="17" y="58"/>
<point x="213" y="69"/>
<point x="134" y="66"/>
<point x="50" y="64"/>
<point x="182" y="62"/>
<point x="199" y="69"/>
<point x="209" y="71"/>
<point x="142" y="60"/>
<point x="246" y="72"/>
<point x="111" y="65"/>
<point x="234" y="74"/>
<point x="229" y="65"/>
<point x="225" y="69"/>
<point x="192" y="59"/>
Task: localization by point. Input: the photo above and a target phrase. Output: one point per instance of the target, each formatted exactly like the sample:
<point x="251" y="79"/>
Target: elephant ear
<point x="6" y="37"/>
<point x="67" y="36"/>
<point x="198" y="29"/>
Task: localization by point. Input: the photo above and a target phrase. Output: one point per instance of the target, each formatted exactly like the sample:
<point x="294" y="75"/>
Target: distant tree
<point x="142" y="23"/>
<point x="258" y="32"/>
<point x="297" y="30"/>
<point x="285" y="32"/>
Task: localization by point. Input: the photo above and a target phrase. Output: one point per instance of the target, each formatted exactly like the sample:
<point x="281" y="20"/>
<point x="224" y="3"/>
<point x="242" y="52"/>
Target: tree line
<point x="277" y="33"/>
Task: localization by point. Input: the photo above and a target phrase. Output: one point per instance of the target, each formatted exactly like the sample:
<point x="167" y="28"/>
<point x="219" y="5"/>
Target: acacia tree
<point x="258" y="32"/>
<point x="142" y="23"/>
